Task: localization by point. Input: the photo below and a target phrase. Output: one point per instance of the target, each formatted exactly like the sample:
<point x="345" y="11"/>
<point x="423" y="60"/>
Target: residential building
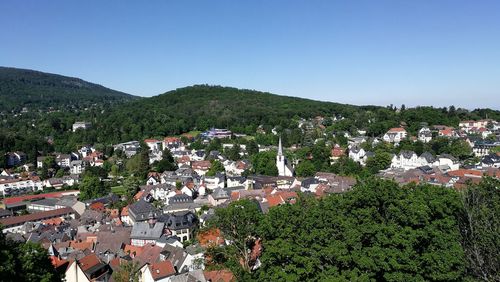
<point x="395" y="135"/>
<point x="81" y="125"/>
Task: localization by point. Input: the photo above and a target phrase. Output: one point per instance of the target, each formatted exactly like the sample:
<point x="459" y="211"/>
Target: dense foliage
<point x="25" y="262"/>
<point x="480" y="227"/>
<point x="37" y="90"/>
<point x="377" y="232"/>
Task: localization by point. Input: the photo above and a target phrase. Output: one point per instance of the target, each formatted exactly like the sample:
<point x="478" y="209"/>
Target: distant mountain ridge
<point x="21" y="88"/>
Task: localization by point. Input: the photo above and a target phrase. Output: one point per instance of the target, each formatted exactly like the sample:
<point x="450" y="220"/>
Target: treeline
<point x="37" y="90"/>
<point x="377" y="232"/>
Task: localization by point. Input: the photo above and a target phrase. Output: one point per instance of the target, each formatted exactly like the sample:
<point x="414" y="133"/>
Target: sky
<point x="421" y="52"/>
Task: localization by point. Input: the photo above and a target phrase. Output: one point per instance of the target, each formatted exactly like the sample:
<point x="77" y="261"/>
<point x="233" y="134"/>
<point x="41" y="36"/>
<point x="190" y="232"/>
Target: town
<point x="149" y="203"/>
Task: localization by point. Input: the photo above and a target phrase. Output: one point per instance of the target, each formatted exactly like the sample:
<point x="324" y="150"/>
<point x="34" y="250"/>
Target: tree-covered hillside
<point x="38" y="90"/>
<point x="201" y="107"/>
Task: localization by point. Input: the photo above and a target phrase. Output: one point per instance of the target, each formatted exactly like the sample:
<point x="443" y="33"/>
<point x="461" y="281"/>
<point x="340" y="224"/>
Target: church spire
<point x="280" y="148"/>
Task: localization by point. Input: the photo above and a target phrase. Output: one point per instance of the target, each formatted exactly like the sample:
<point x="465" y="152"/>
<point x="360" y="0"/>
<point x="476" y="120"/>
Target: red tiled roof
<point x="162" y="269"/>
<point x="151" y="141"/>
<point x="397" y="129"/>
<point x="138" y="195"/>
<point x="150" y="254"/>
<point x="465" y="172"/>
<point x="81" y="245"/>
<point x="222" y="275"/>
<point x="16" y="220"/>
<point x="133" y="250"/>
<point x="13" y="200"/>
<point x="97" y="206"/>
<point x="201" y="165"/>
<point x="125" y="211"/>
<point x="171" y="139"/>
<point x="57" y="262"/>
<point x="280" y="198"/>
<point x="53" y="221"/>
<point x="88" y="262"/>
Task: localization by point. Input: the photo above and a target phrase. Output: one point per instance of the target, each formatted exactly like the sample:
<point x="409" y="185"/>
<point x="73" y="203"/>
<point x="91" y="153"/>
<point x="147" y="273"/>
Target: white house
<point x="395" y="135"/>
<point x="357" y="154"/>
<point x="425" y="135"/>
<point x="448" y="160"/>
<point x="161" y="271"/>
<point x="405" y="160"/>
<point x="81" y="124"/>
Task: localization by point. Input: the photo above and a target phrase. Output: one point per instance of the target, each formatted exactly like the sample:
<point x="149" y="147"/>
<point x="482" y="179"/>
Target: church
<point x="284" y="168"/>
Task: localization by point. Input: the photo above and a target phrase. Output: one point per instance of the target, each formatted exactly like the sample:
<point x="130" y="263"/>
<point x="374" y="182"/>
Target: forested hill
<point x="202" y="106"/>
<point x="21" y="88"/>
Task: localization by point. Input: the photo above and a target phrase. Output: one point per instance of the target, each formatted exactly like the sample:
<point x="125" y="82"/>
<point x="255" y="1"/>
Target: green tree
<point x="264" y="163"/>
<point x="233" y="153"/>
<point x="380" y="161"/>
<point x="91" y="188"/>
<point x="305" y="168"/>
<point x="215" y="168"/>
<point x="460" y="148"/>
<point x="24" y="262"/>
<point x="167" y="163"/>
<point x="128" y="272"/>
<point x="239" y="223"/>
<point x="252" y="148"/>
<point x="480" y="227"/>
<point x="377" y="232"/>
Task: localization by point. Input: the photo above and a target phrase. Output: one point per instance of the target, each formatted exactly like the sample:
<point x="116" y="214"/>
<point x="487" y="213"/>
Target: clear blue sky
<point x="422" y="52"/>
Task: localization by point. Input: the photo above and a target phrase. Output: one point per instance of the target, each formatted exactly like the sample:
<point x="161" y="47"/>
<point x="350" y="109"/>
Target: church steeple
<point x="280" y="148"/>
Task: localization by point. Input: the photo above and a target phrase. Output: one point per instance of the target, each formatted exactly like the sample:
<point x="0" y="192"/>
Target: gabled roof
<point x="143" y="230"/>
<point x="161" y="270"/>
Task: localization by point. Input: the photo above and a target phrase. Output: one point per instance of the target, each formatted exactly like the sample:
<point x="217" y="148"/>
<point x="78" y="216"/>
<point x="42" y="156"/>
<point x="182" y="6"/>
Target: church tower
<point x="284" y="168"/>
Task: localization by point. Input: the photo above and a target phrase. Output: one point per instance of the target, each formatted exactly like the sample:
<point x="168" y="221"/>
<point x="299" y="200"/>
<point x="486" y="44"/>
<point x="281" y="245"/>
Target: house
<point x="201" y="167"/>
<point x="88" y="268"/>
<point x="14" y="186"/>
<point x="153" y="178"/>
<point x="81" y="125"/>
<point x="141" y="210"/>
<point x="146" y="232"/>
<point x="173" y="144"/>
<point x="405" y="160"/>
<point x="216" y="133"/>
<point x="129" y="148"/>
<point x="213" y="182"/>
<point x="395" y="135"/>
<point x="336" y="152"/>
<point x="14" y="224"/>
<point x="491" y="160"/>
<point x="357" y="154"/>
<point x="157" y="272"/>
<point x="180" y="224"/>
<point x="78" y="166"/>
<point x="180" y="259"/>
<point x="471" y="124"/>
<point x="427" y="159"/>
<point x="309" y="185"/>
<point x="154" y="145"/>
<point x="219" y="196"/>
<point x="449" y="161"/>
<point x="447" y="132"/>
<point x="63" y="160"/>
<point x="424" y="135"/>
